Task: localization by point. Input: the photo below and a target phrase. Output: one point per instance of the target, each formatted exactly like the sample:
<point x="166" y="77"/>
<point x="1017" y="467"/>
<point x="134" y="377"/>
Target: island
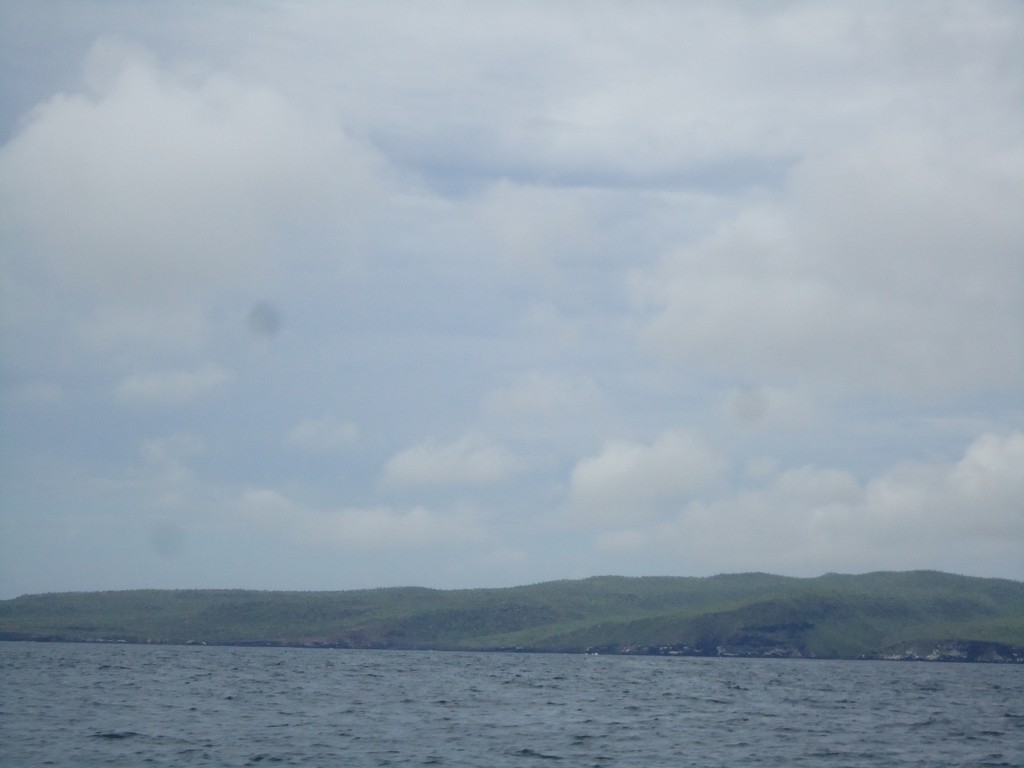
<point x="914" y="615"/>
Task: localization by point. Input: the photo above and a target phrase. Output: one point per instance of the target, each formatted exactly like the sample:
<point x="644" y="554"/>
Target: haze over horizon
<point x="302" y="295"/>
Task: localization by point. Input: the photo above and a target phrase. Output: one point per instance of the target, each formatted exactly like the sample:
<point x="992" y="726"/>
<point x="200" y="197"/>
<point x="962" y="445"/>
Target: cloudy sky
<point x="311" y="295"/>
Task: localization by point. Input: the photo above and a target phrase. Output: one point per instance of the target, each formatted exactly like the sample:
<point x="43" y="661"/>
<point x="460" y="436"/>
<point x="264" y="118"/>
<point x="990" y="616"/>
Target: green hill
<point x="919" y="614"/>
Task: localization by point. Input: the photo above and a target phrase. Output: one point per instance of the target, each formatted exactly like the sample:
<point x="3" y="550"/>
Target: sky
<point x="334" y="295"/>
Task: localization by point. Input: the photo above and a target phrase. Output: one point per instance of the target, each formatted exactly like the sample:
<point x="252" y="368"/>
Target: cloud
<point x="171" y="387"/>
<point x="168" y="481"/>
<point x="809" y="520"/>
<point x="140" y="157"/>
<point x="536" y="227"/>
<point x="133" y="204"/>
<point x="470" y="460"/>
<point x="626" y="477"/>
<point x="544" y="395"/>
<point x="322" y="435"/>
<point x="355" y="529"/>
<point x="980" y="497"/>
<point x="889" y="265"/>
<point x="555" y="101"/>
<point x="384" y="529"/>
<point x="266" y="507"/>
<point x="172" y="451"/>
<point x="548" y="406"/>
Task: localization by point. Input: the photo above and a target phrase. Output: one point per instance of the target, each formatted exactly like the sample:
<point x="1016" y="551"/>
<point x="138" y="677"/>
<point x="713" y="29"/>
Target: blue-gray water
<point x="125" y="705"/>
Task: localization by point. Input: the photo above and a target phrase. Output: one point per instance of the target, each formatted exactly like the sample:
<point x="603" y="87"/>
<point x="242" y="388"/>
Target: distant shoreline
<point x="907" y="616"/>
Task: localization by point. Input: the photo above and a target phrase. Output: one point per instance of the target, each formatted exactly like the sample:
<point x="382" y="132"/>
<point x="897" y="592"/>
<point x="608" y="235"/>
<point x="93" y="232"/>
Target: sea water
<point x="136" y="705"/>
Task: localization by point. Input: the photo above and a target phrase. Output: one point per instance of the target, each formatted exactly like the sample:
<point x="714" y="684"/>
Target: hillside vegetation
<point x="919" y="614"/>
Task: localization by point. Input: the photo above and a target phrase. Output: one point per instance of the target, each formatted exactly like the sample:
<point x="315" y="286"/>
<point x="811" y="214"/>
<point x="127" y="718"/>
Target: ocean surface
<point x="136" y="705"/>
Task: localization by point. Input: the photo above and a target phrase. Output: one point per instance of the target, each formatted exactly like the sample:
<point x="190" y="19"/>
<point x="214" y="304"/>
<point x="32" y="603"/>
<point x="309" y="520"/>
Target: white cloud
<point x="155" y="183"/>
<point x="355" y="529"/>
<point x="980" y="497"/>
<point x="470" y="460"/>
<point x="171" y="387"/>
<point x="887" y="259"/>
<point x="891" y="264"/>
<point x="322" y="435"/>
<point x="810" y="520"/>
<point x="626" y="477"/>
<point x="267" y="507"/>
<point x="135" y="206"/>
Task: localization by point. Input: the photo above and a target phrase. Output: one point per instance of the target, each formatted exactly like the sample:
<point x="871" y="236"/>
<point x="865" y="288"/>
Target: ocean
<point x="137" y="705"/>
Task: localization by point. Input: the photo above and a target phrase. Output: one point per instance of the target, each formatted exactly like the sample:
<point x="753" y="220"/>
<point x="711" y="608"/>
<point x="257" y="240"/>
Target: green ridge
<point x="917" y="614"/>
